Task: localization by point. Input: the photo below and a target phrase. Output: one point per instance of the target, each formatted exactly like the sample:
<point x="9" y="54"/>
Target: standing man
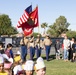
<point x="24" y="43"/>
<point x="66" y="43"/>
<point x="32" y="47"/>
<point x="38" y="46"/>
<point x="47" y="46"/>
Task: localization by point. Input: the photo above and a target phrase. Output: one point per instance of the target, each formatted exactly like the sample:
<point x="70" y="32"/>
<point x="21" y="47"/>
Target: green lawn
<point x="60" y="67"/>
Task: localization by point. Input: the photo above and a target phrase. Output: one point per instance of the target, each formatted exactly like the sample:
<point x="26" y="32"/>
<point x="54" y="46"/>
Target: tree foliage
<point x="6" y="27"/>
<point x="71" y="34"/>
<point x="35" y="34"/>
<point x="60" y="26"/>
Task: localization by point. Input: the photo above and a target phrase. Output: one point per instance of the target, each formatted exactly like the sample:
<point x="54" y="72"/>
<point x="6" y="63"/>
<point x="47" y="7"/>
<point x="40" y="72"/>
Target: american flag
<point x="25" y="16"/>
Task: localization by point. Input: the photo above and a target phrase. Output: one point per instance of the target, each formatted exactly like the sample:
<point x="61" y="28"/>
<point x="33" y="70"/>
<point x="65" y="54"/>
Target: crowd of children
<point x="12" y="65"/>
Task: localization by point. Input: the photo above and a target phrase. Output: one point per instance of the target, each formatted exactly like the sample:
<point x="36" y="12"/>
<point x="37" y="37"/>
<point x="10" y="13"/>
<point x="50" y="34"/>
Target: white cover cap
<point x="5" y="56"/>
<point x="29" y="65"/>
<point x="18" y="52"/>
<point x="39" y="63"/>
<point x="10" y="60"/>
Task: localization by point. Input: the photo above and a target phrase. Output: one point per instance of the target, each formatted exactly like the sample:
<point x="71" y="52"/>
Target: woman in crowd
<point x="9" y="51"/>
<point x="70" y="50"/>
<point x="74" y="50"/>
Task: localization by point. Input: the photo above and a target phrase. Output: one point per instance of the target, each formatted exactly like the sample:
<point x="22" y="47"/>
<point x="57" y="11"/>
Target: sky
<point x="48" y="10"/>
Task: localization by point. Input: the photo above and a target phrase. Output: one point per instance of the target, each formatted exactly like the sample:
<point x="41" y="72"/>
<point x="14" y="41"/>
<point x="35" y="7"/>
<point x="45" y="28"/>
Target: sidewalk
<point x="52" y="51"/>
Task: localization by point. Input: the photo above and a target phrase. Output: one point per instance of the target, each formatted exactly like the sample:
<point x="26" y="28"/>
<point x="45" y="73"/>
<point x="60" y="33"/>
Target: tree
<point x="6" y="27"/>
<point x="60" y="26"/>
<point x="35" y="34"/>
<point x="71" y="34"/>
<point x="44" y="25"/>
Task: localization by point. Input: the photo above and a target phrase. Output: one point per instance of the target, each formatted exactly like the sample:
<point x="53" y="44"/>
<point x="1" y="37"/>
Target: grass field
<point x="60" y="67"/>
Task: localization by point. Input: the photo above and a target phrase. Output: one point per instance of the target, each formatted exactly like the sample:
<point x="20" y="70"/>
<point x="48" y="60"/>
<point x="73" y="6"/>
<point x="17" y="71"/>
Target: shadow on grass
<point x="51" y="57"/>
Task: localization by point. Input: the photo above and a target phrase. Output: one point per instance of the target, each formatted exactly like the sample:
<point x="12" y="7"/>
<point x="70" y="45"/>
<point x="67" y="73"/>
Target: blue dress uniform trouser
<point x="38" y="52"/>
<point x="23" y="52"/>
<point x="47" y="51"/>
<point x="32" y="52"/>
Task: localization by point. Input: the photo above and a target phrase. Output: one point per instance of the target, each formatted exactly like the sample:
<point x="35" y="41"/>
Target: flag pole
<point x="39" y="29"/>
<point x="33" y="28"/>
<point x="38" y="23"/>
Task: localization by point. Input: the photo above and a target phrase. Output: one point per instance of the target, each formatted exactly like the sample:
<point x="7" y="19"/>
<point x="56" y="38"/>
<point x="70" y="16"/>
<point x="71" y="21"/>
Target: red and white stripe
<point x="23" y="19"/>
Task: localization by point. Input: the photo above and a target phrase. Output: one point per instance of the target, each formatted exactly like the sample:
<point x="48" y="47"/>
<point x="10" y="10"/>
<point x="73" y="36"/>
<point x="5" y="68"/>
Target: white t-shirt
<point x="71" y="43"/>
<point x="17" y="69"/>
<point x="66" y="43"/>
